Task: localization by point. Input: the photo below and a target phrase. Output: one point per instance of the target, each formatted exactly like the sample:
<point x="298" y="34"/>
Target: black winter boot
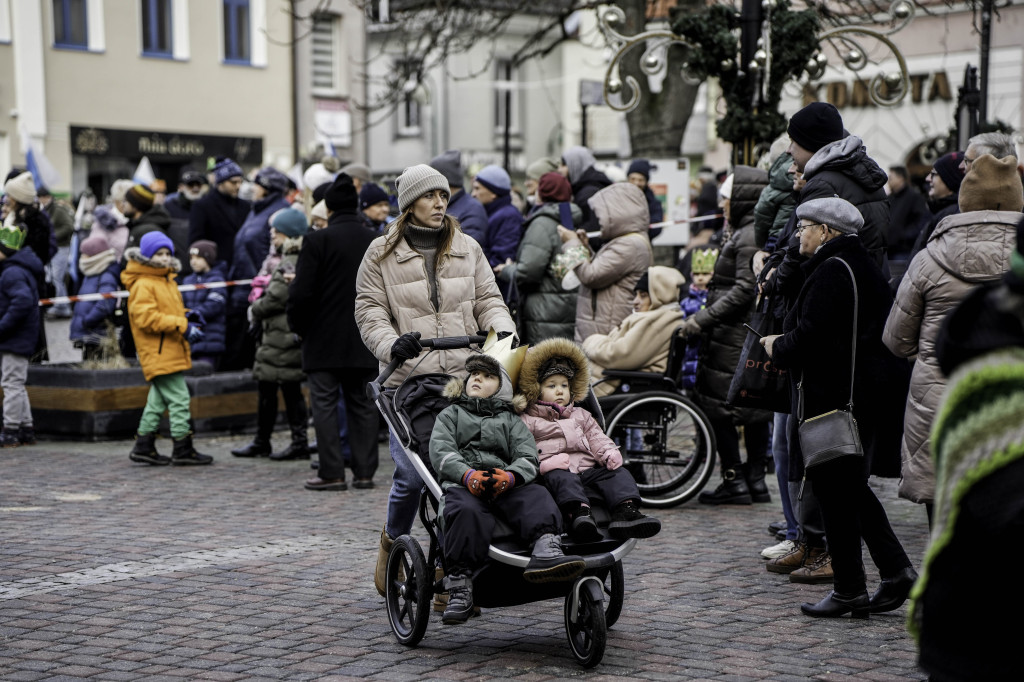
<point x="145" y="451"/>
<point x="629" y="522"/>
<point x="27" y="435"/>
<point x="259" y="447"/>
<point x="184" y="454"/>
<point x="754" y="473"/>
<point x="298" y="422"/>
<point x="732" y="490"/>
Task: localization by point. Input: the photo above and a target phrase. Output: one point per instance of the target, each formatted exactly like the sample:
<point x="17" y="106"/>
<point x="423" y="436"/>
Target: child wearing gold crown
<point x="702" y="267"/>
<point x="575" y="454"/>
<point x="20" y="272"/>
<point x="486" y="463"/>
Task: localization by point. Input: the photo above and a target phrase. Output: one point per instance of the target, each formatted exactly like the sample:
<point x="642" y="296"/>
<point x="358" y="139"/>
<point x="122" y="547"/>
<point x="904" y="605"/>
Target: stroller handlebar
<point x="443" y="343"/>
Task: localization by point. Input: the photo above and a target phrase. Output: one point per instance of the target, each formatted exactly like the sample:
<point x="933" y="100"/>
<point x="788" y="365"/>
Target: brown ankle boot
<point x="380" y="575"/>
<point x="814" y="572"/>
<point x="789" y="562"/>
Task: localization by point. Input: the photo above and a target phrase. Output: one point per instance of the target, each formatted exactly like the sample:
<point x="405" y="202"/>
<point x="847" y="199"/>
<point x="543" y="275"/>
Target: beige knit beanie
<point x="992" y="185"/>
<point x="21" y="188"/>
<point x="416" y="181"/>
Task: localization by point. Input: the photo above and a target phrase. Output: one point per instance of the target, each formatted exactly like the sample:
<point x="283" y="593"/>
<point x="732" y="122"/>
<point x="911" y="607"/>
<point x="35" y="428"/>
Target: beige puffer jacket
<point x="641" y="343"/>
<point x="965" y="250"/>
<point x="393" y="297"/>
<point x="607" y="280"/>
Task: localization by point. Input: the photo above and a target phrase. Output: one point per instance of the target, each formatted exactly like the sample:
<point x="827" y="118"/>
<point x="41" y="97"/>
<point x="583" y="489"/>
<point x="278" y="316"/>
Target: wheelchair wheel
<point x="614" y="593"/>
<point x="410" y="590"/>
<point x="586" y="627"/>
<point x="667" y="444"/>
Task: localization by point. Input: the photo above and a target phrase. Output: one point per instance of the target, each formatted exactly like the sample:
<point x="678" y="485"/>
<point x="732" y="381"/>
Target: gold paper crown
<point x="702" y="261"/>
<point x="508" y="357"/>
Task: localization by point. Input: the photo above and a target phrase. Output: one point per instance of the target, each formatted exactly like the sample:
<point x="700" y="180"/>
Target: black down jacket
<point x="730" y="302"/>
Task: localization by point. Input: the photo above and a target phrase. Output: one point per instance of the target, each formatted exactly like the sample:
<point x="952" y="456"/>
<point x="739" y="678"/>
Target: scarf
<point x="94" y="265"/>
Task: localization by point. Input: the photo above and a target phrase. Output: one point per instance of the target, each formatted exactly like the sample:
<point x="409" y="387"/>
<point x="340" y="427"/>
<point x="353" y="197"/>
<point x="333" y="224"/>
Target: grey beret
<point x="416" y="181"/>
<point x="838" y="214"/>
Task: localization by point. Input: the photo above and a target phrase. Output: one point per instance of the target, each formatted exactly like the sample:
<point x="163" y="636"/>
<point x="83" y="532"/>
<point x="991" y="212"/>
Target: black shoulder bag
<point x="833" y="434"/>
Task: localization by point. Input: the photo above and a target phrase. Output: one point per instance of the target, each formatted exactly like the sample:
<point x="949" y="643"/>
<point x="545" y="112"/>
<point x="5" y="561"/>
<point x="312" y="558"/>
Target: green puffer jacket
<point x="777" y="201"/>
<point x="481" y="433"/>
<point x="279" y="355"/>
<point x="546" y="308"/>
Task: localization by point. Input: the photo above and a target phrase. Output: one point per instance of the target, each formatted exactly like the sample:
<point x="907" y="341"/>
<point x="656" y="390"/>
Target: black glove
<point x="407" y="346"/>
<point x="196" y="317"/>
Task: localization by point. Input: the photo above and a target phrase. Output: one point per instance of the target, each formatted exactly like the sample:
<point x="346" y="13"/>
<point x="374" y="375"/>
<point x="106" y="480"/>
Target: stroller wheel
<point x="614" y="593"/>
<point x="409" y="590"/>
<point x="585" y="624"/>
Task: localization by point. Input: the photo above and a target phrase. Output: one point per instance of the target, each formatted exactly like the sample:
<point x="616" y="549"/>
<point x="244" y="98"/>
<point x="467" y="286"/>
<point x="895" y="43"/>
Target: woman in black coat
<point x="816" y="347"/>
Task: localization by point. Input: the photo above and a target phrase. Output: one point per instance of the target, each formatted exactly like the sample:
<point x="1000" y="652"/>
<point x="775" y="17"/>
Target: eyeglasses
<point x="801" y="228"/>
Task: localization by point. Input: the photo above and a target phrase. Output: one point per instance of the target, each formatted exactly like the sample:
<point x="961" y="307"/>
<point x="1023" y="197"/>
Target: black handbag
<point x="834" y="434"/>
<point x="757" y="383"/>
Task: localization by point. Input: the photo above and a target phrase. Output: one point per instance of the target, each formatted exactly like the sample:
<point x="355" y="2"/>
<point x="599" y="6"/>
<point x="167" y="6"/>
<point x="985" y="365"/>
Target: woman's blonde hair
<point x="396" y="233"/>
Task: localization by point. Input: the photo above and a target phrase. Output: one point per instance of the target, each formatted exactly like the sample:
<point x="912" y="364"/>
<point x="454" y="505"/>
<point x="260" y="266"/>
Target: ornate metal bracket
<point x="657" y="40"/>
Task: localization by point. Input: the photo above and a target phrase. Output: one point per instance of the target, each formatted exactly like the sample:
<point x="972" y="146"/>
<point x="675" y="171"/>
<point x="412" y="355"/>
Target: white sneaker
<point x="781" y="549"/>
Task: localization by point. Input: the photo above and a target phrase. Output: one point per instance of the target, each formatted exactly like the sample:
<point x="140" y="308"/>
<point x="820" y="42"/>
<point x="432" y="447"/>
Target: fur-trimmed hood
<point x="453" y="391"/>
<point x="291" y="245"/>
<point x="540" y="355"/>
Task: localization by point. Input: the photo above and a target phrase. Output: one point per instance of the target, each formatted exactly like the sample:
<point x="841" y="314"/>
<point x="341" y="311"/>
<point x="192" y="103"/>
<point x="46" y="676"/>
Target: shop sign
<point x="91" y="141"/>
<point x="924" y="87"/>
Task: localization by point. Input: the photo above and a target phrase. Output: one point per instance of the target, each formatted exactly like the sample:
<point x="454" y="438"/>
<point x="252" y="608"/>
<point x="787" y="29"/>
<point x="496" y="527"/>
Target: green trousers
<point x="167" y="392"/>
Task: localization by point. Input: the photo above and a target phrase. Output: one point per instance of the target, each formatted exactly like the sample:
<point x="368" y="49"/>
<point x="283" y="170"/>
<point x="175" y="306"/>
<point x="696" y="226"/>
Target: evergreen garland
<point x="716" y="51"/>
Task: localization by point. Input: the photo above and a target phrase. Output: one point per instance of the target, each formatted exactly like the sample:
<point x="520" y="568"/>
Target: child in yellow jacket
<point x="162" y="333"/>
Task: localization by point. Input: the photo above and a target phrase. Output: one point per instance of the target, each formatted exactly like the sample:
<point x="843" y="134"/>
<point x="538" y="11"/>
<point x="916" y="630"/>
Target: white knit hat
<point x="416" y="181"/>
<point x="21" y="188"/>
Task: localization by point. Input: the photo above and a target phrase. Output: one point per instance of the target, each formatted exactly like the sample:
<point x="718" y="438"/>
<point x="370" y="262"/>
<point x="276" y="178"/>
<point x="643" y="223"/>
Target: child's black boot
<point x="26" y="435"/>
<point x="185" y="454"/>
<point x="460" y="599"/>
<point x="629" y="522"/>
<point x="145" y="452"/>
<point x="582" y="526"/>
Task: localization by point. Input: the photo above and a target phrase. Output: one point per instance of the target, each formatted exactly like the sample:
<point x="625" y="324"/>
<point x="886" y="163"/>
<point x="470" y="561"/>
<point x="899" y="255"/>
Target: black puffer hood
<point x="747" y="185"/>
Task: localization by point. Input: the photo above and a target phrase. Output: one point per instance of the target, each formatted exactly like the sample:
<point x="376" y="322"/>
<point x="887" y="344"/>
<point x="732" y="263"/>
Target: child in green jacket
<point x="486" y="460"/>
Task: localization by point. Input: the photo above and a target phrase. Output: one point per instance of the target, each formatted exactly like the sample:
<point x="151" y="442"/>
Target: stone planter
<point x="69" y="402"/>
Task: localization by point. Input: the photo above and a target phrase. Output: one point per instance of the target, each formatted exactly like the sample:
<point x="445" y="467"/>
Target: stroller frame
<point x="592" y="602"/>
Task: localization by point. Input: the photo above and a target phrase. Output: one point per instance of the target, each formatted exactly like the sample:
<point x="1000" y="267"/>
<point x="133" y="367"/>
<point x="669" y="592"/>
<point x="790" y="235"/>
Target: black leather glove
<point x="196" y="317"/>
<point x="407" y="346"/>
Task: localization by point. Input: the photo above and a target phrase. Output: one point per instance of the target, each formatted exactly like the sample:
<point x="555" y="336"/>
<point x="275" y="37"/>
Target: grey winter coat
<point x="607" y="279"/>
<point x="547" y="310"/>
<point x="965" y="250"/>
<point x="730" y="303"/>
<point x="279" y="355"/>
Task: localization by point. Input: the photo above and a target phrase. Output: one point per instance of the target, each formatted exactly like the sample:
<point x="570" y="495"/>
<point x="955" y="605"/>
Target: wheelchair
<point x="592" y="602"/>
<point x="666" y="441"/>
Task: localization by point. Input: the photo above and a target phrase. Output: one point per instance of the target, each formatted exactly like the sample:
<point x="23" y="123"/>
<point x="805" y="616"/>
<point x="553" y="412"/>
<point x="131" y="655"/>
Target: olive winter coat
<point x="279" y="354"/>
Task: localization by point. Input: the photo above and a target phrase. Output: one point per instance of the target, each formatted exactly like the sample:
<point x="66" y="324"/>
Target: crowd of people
<point x="855" y="268"/>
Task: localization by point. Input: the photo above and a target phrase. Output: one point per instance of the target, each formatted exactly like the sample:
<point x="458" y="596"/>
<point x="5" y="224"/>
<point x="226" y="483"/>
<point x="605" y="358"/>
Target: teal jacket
<point x="777" y="201"/>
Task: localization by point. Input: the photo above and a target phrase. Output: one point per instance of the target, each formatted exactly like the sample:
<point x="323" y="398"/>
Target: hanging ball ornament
<point x="612" y="17"/>
<point x="854" y="58"/>
<point x="728" y="65"/>
<point x="902" y="10"/>
<point x="651" y="62"/>
<point x="760" y="57"/>
<point x="614" y="86"/>
<point x="893" y="80"/>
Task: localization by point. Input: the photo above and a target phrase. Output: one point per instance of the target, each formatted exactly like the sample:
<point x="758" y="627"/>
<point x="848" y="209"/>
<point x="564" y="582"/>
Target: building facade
<point x="96" y="85"/>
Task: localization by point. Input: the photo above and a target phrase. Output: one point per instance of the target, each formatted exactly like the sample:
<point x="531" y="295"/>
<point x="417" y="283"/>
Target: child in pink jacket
<point x="576" y="456"/>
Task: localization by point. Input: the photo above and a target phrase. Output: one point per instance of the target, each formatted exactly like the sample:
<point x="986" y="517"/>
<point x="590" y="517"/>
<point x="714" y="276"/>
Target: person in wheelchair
<point x="575" y="454"/>
<point x="641" y="342"/>
<point x="486" y="460"/>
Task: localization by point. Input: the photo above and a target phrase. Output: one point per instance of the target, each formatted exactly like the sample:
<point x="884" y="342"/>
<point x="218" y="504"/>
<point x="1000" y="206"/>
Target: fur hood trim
<point x="453" y="391"/>
<point x="135" y="253"/>
<point x="291" y="245"/>
<point x="540" y="354"/>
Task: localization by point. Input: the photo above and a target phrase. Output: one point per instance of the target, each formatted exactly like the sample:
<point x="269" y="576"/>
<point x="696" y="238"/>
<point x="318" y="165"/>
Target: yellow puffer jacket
<point x="157" y="315"/>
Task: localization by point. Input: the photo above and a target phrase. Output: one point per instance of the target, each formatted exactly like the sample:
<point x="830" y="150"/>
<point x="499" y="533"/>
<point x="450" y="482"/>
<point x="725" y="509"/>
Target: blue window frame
<point x="69" y="24"/>
<point x="157" y="40"/>
<point x="237" y="48"/>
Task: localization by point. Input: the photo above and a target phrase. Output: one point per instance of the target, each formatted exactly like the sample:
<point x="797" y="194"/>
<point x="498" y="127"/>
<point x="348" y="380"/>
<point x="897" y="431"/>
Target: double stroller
<point x="592" y="602"/>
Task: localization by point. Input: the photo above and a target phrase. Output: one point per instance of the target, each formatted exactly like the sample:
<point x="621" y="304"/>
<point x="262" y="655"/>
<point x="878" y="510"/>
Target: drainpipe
<point x="295" y="94"/>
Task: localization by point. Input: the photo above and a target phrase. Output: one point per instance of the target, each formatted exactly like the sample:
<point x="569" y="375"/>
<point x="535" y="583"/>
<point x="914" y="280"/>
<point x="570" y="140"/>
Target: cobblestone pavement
<point x="112" y="571"/>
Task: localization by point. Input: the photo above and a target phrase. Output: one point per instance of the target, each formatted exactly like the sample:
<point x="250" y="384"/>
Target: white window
<point x="410" y="105"/>
<point x="78" y="25"/>
<point x="164" y="28"/>
<point x="5" y="21"/>
<point x="244" y="32"/>
<point x="329" y="75"/>
<point x="378" y="11"/>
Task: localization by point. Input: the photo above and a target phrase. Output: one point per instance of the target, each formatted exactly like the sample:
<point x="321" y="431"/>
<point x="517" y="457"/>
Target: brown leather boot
<point x="789" y="562"/>
<point x="380" y="575"/>
<point x="814" y="572"/>
<point x="440" y="598"/>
